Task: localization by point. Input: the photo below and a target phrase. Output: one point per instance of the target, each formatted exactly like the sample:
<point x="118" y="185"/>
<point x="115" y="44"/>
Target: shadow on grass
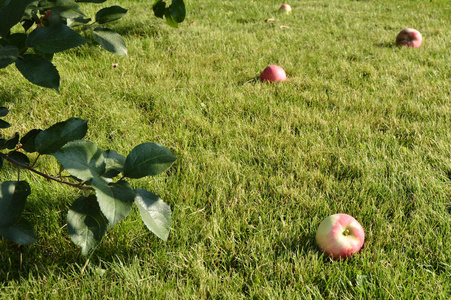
<point x="386" y="45"/>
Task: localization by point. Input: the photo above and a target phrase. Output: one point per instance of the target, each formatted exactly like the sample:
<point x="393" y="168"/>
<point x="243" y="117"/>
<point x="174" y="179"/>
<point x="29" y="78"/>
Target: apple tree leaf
<point x="86" y="223"/>
<point x="115" y="199"/>
<point x="13" y="195"/>
<point x="82" y="159"/>
<point x="155" y="213"/>
<point x="59" y="134"/>
<point x="21" y="232"/>
<point x="148" y="159"/>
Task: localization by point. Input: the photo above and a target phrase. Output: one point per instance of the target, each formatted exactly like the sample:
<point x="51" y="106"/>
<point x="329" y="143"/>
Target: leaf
<point x="21" y="232"/>
<point x="4" y="111"/>
<point x="82" y="159"/>
<point x="12" y="142"/>
<point x="19" y="157"/>
<point x="73" y="22"/>
<point x="159" y="8"/>
<point x="170" y="19"/>
<point x="148" y="159"/>
<point x="154" y="212"/>
<point x="109" y="14"/>
<point x="114" y="163"/>
<point x="86" y="224"/>
<point x="4" y="124"/>
<point x="64" y="8"/>
<point x="59" y="134"/>
<point x="13" y="195"/>
<point x="39" y="71"/>
<point x="17" y="39"/>
<point x="177" y="10"/>
<point x="52" y="39"/>
<point x="110" y="40"/>
<point x="11" y="14"/>
<point x="28" y="140"/>
<point x="8" y="55"/>
<point x="115" y="199"/>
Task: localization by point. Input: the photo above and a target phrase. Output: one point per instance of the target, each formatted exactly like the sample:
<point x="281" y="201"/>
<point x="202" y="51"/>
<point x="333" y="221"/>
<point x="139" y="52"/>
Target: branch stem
<point x="23" y="166"/>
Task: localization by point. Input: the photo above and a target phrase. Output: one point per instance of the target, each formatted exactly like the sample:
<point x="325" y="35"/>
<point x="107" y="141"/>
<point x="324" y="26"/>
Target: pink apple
<point x="273" y="73"/>
<point x="340" y="236"/>
<point x="285" y="8"/>
<point x="409" y="37"/>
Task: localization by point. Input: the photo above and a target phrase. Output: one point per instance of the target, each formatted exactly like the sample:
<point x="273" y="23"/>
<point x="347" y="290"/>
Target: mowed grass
<point x="360" y="127"/>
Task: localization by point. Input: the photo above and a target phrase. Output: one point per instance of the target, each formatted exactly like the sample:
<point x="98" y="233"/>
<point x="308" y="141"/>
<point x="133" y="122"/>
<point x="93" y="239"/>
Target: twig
<point x="23" y="166"/>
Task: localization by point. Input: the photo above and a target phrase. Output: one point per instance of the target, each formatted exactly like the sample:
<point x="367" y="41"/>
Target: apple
<point x="340" y="236"/>
<point x="273" y="73"/>
<point x="409" y="37"/>
<point x="285" y="8"/>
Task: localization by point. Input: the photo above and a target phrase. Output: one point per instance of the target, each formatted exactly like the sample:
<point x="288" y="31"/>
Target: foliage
<point x="52" y="26"/>
<point x="105" y="201"/>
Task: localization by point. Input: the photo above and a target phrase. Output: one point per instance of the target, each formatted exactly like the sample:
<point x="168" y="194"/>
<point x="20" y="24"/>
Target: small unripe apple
<point x="340" y="236"/>
<point x="273" y="73"/>
<point x="285" y="8"/>
<point x="409" y="37"/>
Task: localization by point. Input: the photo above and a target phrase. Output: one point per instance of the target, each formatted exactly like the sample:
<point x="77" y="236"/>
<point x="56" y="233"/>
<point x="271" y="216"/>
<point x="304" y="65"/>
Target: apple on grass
<point x="340" y="236"/>
<point x="409" y="37"/>
<point x="285" y="8"/>
<point x="273" y="73"/>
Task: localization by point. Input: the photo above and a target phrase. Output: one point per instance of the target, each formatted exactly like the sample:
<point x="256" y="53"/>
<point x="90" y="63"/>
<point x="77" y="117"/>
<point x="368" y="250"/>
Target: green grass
<point x="360" y="127"/>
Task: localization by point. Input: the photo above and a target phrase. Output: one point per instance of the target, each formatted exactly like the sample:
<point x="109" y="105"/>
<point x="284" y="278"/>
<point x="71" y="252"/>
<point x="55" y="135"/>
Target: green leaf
<point x="21" y="232"/>
<point x="159" y="8"/>
<point x="59" y="134"/>
<point x="177" y="10"/>
<point x="28" y="140"/>
<point x="73" y="22"/>
<point x="86" y="224"/>
<point x="39" y="71"/>
<point x="4" y="111"/>
<point x="114" y="163"/>
<point x="13" y="195"/>
<point x="115" y="199"/>
<point x="19" y="157"/>
<point x="170" y="19"/>
<point x="12" y="142"/>
<point x="110" y="40"/>
<point x="148" y="159"/>
<point x="54" y="39"/>
<point x="17" y="39"/>
<point x="109" y="14"/>
<point x="11" y="13"/>
<point x="82" y="159"/>
<point x="154" y="212"/>
<point x="4" y="124"/>
<point x="8" y="55"/>
<point x="64" y="8"/>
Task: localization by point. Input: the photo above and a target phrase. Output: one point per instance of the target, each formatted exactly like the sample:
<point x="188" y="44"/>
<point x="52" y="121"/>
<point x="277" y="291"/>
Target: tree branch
<point x="23" y="166"/>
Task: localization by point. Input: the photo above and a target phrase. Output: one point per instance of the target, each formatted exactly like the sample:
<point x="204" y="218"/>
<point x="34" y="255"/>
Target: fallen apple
<point x="285" y="8"/>
<point x="409" y="37"/>
<point x="340" y="236"/>
<point x="273" y="73"/>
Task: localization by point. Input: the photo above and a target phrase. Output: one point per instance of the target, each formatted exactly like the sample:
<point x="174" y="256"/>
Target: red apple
<point x="285" y="8"/>
<point x="273" y="73"/>
<point x="409" y="37"/>
<point x="340" y="236"/>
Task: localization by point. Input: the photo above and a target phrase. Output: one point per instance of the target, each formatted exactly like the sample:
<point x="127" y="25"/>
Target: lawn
<point x="360" y="127"/>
